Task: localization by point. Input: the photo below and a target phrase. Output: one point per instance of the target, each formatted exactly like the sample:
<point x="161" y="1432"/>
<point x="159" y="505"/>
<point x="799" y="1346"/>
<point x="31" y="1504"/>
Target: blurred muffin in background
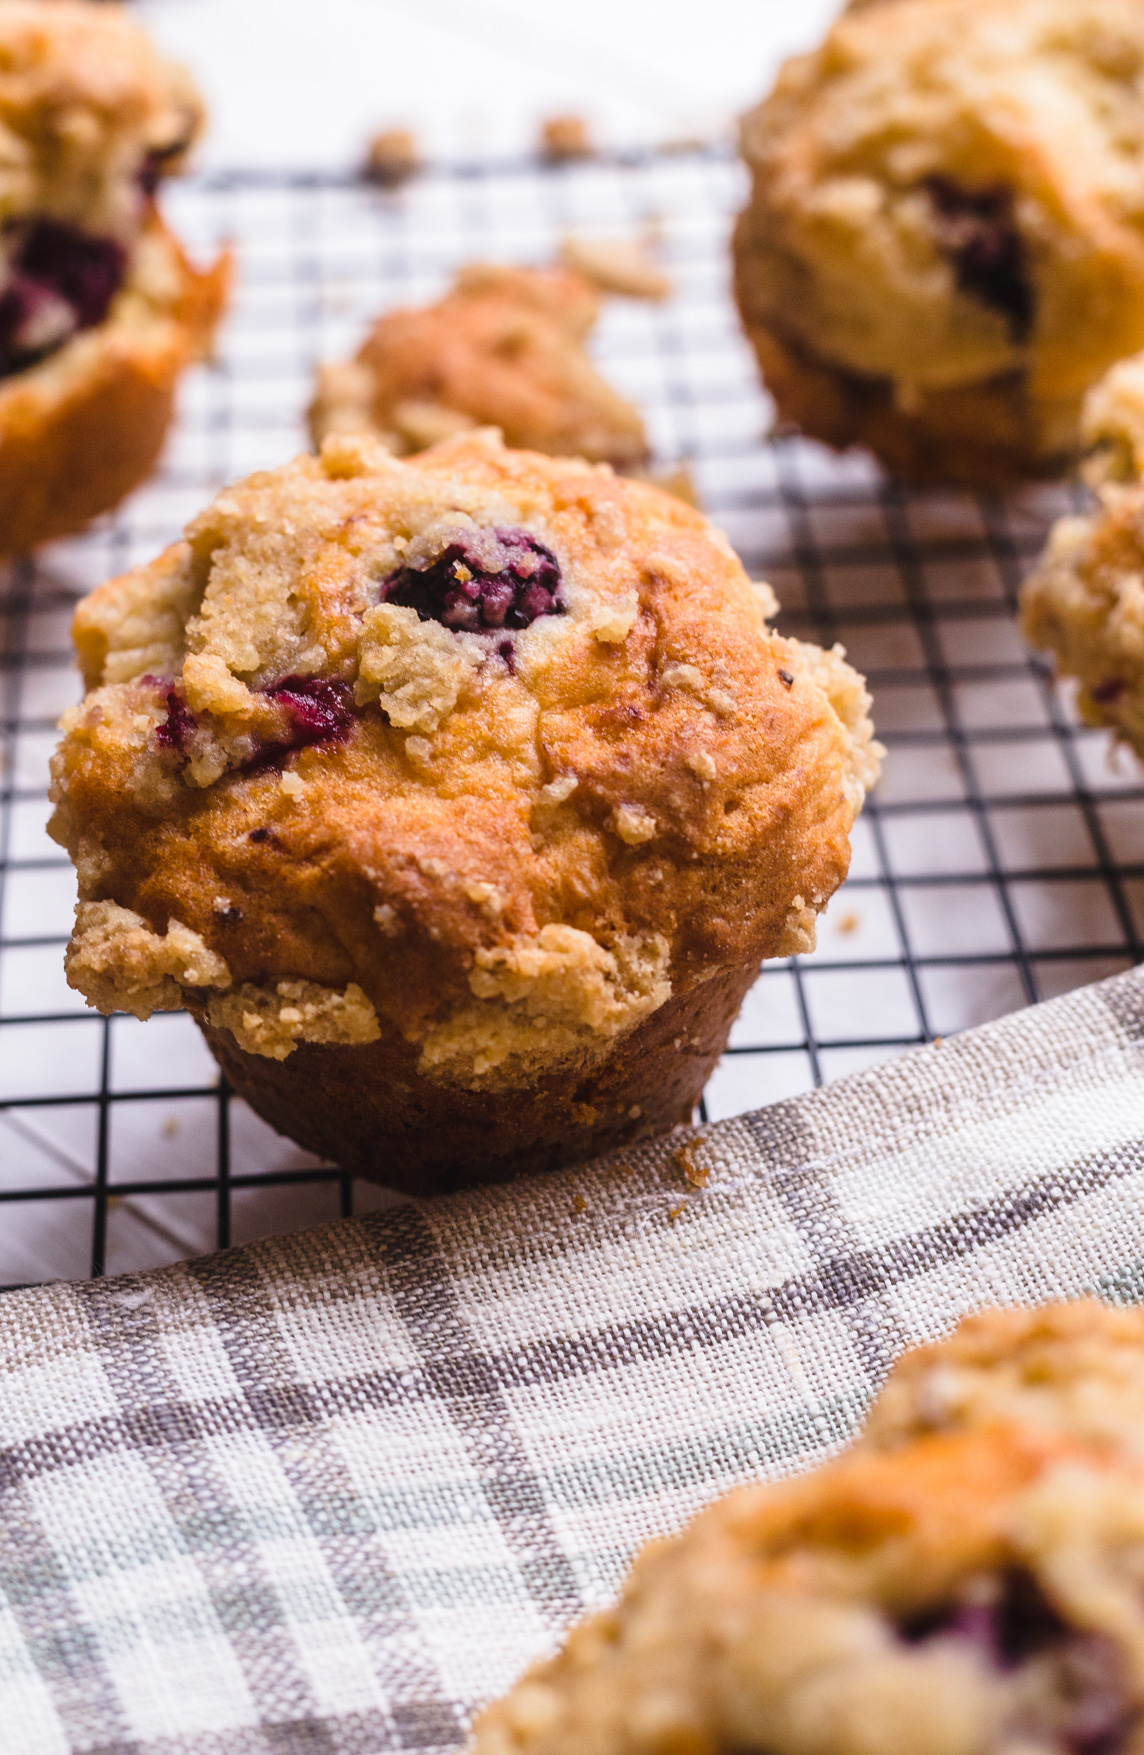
<point x="974" y="1594"/>
<point x="504" y="348"/>
<point x="944" y="245"/>
<point x="1084" y="602"/>
<point x="100" y="308"/>
<point x="458" y="798"/>
<point x="392" y="157"/>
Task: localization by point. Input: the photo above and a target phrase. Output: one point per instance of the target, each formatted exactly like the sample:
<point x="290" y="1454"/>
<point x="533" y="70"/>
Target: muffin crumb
<point x="392" y="157"/>
<point x="565" y="137"/>
<point x="800" y="930"/>
<point x="617" y="265"/>
<point x="612" y="624"/>
<point x="560" y="789"/>
<point x="931" y="263"/>
<point x="698" y="1175"/>
<point x="634" y="825"/>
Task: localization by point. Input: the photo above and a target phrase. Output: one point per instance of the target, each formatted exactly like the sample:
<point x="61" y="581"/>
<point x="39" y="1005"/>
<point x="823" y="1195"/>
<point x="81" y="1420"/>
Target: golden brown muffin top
<point x="1074" y="1368"/>
<point x="973" y="1595"/>
<point x="513" y="841"/>
<point x="503" y="348"/>
<point x="951" y="190"/>
<point x="90" y="114"/>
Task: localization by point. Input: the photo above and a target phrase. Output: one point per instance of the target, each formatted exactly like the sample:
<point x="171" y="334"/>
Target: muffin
<point x="100" y="308"/>
<point x="1076" y="1369"/>
<point x="503" y="348"/>
<point x="980" y="1594"/>
<point x="944" y="245"/>
<point x="458" y="798"/>
<point x="1084" y="602"/>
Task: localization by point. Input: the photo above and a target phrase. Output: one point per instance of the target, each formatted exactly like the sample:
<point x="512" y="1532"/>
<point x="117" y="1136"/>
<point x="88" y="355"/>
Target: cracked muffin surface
<point x="484" y="756"/>
<point x="944" y="246"/>
<point x="99" y="307"/>
<point x="975" y="1594"/>
<point x="505" y="347"/>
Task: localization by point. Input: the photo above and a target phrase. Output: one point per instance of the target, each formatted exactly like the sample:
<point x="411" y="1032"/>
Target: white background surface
<point x="305" y="82"/>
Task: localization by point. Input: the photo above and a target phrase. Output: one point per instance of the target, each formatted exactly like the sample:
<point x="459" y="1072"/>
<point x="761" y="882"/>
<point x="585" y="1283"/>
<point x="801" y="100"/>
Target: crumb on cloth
<point x="697" y="1174"/>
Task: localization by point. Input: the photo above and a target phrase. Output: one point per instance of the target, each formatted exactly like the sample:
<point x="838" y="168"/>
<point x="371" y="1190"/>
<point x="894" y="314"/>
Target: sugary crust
<point x="1085" y="604"/>
<point x="84" y="99"/>
<point x="1074" y="1369"/>
<point x="518" y="863"/>
<point x="848" y="289"/>
<point x="792" y="1618"/>
<point x="84" y="428"/>
<point x="504" y="348"/>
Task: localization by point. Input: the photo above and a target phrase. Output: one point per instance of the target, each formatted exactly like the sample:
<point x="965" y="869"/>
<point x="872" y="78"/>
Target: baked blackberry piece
<point x="100" y="309"/>
<point x="459" y="799"/>
<point x="944" y="245"/>
<point x="504" y="348"/>
<point x="978" y="1594"/>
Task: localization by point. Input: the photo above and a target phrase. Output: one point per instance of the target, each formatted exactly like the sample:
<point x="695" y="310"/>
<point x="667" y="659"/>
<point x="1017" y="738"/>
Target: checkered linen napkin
<point x="327" y="1493"/>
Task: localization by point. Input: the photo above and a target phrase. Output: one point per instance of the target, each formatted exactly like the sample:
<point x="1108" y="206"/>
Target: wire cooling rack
<point x="1001" y="860"/>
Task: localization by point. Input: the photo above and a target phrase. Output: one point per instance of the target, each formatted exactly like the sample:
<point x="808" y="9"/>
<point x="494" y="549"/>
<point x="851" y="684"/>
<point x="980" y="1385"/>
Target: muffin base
<point x="370" y="1110"/>
<point x="978" y="436"/>
<point x="72" y="445"/>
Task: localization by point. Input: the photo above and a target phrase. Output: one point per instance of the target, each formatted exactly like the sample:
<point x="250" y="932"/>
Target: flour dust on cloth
<point x="329" y="1493"/>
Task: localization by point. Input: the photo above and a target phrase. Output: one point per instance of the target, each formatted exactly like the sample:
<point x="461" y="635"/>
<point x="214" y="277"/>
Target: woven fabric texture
<point x="327" y="1493"/>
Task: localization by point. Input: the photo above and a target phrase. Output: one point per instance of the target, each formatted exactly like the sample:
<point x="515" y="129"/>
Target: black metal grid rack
<point x="1000" y="861"/>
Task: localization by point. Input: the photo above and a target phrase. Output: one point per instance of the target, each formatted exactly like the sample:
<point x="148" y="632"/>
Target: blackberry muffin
<point x="1112" y="427"/>
<point x="504" y="348"/>
<point x="1084" y="602"/>
<point x="100" y="308"/>
<point x="458" y="798"/>
<point x="981" y="1594"/>
<point x="1076" y="1369"/>
<point x="944" y="245"/>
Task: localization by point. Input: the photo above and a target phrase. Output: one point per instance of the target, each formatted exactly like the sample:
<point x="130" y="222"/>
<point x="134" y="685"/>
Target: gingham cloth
<point x="329" y="1492"/>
